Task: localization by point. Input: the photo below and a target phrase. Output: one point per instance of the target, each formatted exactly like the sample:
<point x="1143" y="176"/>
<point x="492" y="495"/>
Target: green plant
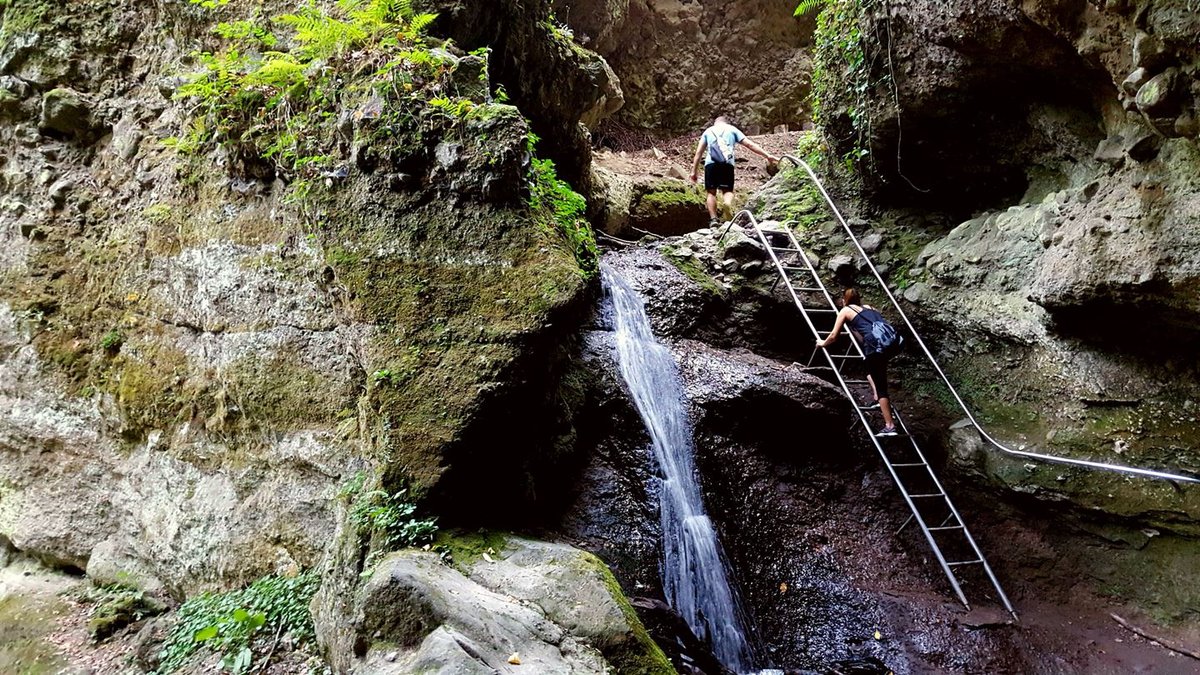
<point x="391" y="519"/>
<point x="112" y="340"/>
<point x="230" y="623"/>
<point x="567" y="210"/>
<point x="281" y="107"/>
<point x="807" y="6"/>
<point x="841" y="74"/>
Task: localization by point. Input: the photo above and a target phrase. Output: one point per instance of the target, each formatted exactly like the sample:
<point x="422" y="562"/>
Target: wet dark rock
<point x="1150" y="53"/>
<point x="671" y="632"/>
<point x="66" y="113"/>
<point x="1161" y="95"/>
<point x="1143" y="145"/>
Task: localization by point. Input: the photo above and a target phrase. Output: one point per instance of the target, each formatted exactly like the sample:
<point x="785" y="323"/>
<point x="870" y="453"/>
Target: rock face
<point x="193" y="360"/>
<point x="683" y="63"/>
<point x="1081" y="117"/>
<point x="556" y="82"/>
<point x="992" y="98"/>
<point x="546" y="607"/>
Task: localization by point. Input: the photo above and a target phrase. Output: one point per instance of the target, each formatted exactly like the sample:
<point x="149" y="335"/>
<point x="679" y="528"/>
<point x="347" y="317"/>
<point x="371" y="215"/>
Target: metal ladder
<point x="932" y="510"/>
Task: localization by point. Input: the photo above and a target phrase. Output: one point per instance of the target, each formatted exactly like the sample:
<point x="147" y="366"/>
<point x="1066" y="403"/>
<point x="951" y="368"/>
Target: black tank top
<point x="861" y="323"/>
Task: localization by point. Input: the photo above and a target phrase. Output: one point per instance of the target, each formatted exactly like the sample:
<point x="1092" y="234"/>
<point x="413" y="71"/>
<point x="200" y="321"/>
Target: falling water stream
<point x="694" y="576"/>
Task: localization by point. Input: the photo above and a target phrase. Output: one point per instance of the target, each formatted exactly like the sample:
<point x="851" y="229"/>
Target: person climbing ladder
<point x="719" y="141"/>
<point x="879" y="341"/>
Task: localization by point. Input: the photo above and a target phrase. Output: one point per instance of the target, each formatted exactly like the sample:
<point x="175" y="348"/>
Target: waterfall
<point x="694" y="577"/>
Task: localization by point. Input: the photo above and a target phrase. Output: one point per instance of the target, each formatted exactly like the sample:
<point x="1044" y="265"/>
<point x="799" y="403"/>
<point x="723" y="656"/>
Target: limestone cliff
<point x="251" y="257"/>
<point x="681" y="63"/>
<point x="1069" y="318"/>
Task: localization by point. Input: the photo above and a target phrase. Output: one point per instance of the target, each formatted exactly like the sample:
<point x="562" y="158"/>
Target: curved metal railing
<point x="1104" y="466"/>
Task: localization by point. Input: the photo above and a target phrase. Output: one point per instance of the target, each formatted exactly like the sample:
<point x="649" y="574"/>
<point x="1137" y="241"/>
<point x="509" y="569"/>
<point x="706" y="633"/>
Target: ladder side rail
<point x="958" y="517"/>
<point x="1149" y="473"/>
<point x="862" y="414"/>
<point x="783" y="274"/>
<point x="887" y="462"/>
<point x="811" y="268"/>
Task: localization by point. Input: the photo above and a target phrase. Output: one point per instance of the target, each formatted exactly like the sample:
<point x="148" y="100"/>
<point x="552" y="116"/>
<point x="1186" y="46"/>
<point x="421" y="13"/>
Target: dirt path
<point x="673" y="159"/>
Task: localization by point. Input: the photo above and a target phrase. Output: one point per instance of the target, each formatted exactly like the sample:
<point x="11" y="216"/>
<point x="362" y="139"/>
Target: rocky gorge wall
<point x="681" y="63"/>
<point x="1065" y="304"/>
<point x="228" y="326"/>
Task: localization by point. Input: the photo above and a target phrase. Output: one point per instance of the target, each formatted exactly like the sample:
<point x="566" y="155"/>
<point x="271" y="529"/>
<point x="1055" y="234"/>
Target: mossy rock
<point x="668" y="208"/>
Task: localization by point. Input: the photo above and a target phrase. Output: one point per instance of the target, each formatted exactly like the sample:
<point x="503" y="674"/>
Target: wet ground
<point x="840" y="580"/>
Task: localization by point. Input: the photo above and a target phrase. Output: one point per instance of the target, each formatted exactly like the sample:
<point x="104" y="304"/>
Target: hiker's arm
<point x="757" y="148"/>
<point x="837" y="329"/>
<point x="700" y="147"/>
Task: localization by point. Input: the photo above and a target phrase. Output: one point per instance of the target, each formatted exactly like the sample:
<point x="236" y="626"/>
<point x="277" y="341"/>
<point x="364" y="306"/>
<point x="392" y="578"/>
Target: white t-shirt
<point x="727" y="136"/>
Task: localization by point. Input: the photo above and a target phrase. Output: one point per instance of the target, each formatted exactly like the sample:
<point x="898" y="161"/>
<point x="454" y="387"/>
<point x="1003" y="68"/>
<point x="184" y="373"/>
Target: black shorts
<point x="718" y="176"/>
<point x="877" y="364"/>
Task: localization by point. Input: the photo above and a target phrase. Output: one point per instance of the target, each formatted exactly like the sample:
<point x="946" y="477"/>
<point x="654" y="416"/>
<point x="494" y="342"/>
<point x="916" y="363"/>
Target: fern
<point x="807" y="6"/>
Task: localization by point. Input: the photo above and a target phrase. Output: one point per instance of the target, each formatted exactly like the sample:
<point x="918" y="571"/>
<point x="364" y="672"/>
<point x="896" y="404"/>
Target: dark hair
<point x="851" y="297"/>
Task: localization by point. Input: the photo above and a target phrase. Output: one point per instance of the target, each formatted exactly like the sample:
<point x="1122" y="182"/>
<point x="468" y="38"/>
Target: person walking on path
<point x="716" y="147"/>
<point x="863" y="320"/>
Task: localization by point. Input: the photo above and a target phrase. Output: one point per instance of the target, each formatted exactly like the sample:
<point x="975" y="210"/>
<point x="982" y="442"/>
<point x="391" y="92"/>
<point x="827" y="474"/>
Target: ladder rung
<point x="809" y="289"/>
<point x="844" y="356"/>
<point x="786" y="249"/>
<point x="931" y="494"/>
<point x="945" y="527"/>
<point x="821" y="311"/>
<point x="910" y="464"/>
<point x="857" y="381"/>
<point x="964" y="562"/>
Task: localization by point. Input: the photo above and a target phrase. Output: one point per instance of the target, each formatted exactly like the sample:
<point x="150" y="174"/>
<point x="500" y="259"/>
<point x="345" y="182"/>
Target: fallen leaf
<point x="878" y="635"/>
<point x="488" y="557"/>
<point x="783" y="587"/>
<point x="515" y="659"/>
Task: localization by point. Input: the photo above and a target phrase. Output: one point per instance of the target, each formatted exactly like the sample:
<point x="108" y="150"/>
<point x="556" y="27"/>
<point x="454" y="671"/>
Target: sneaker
<point x="873" y="405"/>
<point x="713" y="222"/>
<point x="887" y="431"/>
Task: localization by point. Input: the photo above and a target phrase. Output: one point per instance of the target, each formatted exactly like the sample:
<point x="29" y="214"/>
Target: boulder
<point x="554" y="607"/>
<point x="1161" y="95"/>
<point x="1149" y="52"/>
<point x="65" y="112"/>
<point x="667" y="207"/>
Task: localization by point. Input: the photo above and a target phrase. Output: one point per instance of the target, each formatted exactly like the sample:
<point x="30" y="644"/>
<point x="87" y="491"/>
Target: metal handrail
<point x="856" y="348"/>
<point x="1104" y="466"/>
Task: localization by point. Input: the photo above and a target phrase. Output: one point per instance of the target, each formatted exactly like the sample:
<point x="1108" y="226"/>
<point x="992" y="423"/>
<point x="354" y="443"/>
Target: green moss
<point x="114" y="608"/>
<point x="20" y="16"/>
<point x="692" y="269"/>
<point x="639" y="655"/>
<point x="148" y="385"/>
<point x="666" y="196"/>
<point x="466" y="548"/>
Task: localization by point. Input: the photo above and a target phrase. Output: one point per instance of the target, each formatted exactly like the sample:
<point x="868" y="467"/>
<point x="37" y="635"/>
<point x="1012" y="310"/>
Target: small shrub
<point x="229" y="623"/>
<point x="567" y="210"/>
<point x="114" y="607"/>
<point x="392" y="520"/>
<point x="112" y="340"/>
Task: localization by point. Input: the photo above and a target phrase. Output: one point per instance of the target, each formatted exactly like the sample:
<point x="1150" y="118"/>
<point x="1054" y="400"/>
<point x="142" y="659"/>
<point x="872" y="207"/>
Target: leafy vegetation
<point x="388" y="520"/>
<point x="807" y="6"/>
<point x="236" y="623"/>
<point x="841" y="75"/>
<point x="261" y="103"/>
<point x="568" y="210"/>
